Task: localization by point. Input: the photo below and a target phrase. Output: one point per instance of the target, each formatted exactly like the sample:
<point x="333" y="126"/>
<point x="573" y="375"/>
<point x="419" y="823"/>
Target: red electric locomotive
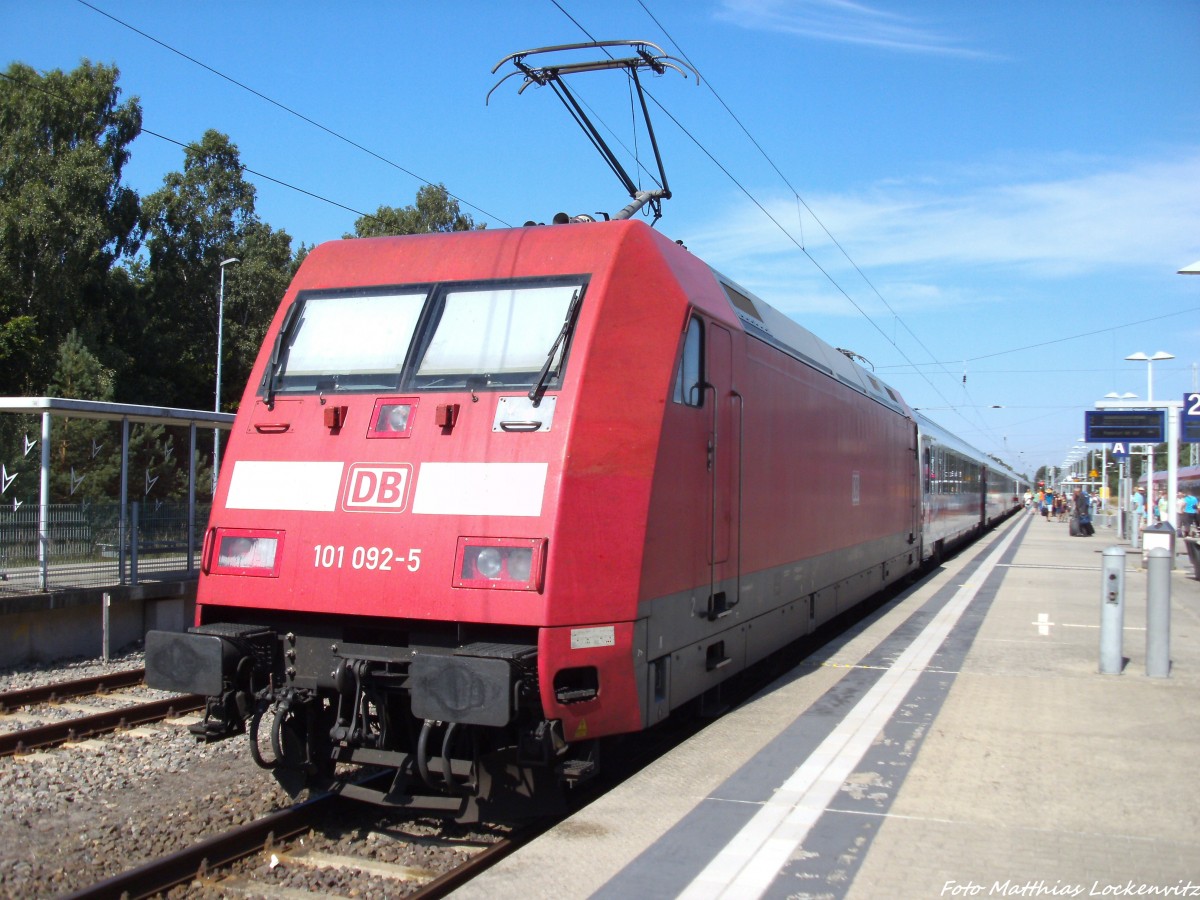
<point x="494" y="495"/>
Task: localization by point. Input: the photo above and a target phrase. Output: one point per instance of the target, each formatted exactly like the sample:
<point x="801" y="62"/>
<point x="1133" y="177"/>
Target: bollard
<point x="1112" y="611"/>
<point x="133" y="545"/>
<point x="104" y="625"/>
<point x="1160" y="535"/>
<point x="1158" y="613"/>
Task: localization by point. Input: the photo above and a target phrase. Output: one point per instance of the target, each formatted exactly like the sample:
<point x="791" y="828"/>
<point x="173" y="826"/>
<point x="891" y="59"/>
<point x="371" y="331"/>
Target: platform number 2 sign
<point x="1191" y="418"/>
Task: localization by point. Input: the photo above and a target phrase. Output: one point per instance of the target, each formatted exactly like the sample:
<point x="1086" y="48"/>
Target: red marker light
<point x="393" y="417"/>
<point x="243" y="551"/>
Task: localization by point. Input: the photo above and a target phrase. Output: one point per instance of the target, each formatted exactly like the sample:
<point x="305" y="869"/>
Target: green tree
<point x="78" y="373"/>
<point x="83" y="464"/>
<point x="85" y="454"/>
<point x="434" y="211"/>
<point x="253" y="290"/>
<point x="65" y="217"/>
<point x="200" y="217"/>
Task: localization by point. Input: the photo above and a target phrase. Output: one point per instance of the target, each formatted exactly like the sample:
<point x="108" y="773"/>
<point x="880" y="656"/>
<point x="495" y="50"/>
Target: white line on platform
<point x="749" y="863"/>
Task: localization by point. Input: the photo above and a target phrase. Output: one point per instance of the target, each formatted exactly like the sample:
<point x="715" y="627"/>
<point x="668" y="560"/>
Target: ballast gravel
<point x="80" y="813"/>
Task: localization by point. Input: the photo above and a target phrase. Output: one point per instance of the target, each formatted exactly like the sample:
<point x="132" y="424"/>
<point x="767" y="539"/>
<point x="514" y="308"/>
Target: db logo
<point x="377" y="488"/>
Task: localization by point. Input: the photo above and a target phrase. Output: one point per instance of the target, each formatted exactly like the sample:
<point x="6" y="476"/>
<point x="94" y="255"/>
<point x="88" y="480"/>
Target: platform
<point x="959" y="743"/>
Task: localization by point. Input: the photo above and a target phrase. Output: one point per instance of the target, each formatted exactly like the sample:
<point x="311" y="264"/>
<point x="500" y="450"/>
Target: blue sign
<point x="1141" y="426"/>
<point x="1189" y="422"/>
<point x="1119" y="451"/>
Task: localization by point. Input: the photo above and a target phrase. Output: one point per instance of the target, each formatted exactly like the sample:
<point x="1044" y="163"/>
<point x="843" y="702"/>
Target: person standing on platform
<point x="1081" y="520"/>
<point x="1189" y="524"/>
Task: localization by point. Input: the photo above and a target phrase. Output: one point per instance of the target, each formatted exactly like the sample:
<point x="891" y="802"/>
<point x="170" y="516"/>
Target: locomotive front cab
<point x="372" y="579"/>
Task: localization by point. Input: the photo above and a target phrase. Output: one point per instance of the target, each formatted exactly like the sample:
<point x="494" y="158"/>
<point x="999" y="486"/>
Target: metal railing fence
<point x="90" y="545"/>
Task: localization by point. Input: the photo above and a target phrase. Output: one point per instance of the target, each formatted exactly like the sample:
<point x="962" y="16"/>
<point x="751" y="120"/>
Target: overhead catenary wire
<point x="791" y="187"/>
<point x="940" y="365"/>
<point x="186" y="145"/>
<point x="1191" y="310"/>
<point x="575" y="21"/>
<point x="800" y="243"/>
<point x="287" y="109"/>
<point x="783" y="229"/>
<point x="749" y="195"/>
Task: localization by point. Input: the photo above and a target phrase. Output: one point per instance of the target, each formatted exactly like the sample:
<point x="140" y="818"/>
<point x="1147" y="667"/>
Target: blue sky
<point x="1001" y="190"/>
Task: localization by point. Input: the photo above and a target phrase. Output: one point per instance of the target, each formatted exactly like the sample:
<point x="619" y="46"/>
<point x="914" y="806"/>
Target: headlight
<point x="489" y="563"/>
<point x="520" y="563"/>
<point x="513" y="564"/>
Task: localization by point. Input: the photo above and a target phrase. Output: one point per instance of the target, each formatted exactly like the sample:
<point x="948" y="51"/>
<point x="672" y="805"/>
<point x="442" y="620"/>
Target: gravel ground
<point x="77" y="814"/>
<point x="37" y="674"/>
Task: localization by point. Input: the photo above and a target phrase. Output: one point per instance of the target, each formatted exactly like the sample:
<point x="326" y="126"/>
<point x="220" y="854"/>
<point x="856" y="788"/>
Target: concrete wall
<point x="46" y="627"/>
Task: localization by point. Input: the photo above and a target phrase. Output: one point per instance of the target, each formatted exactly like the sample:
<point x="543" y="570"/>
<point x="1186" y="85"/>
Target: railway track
<point x="212" y="865"/>
<point x="252" y="857"/>
<point x="330" y="846"/>
<point x="239" y="860"/>
<point x="82" y="727"/>
<point x="63" y="690"/>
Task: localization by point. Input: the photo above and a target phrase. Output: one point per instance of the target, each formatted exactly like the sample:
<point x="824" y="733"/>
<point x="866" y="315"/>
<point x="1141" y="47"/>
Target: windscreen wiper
<point x="273" y="364"/>
<point x="539" y="386"/>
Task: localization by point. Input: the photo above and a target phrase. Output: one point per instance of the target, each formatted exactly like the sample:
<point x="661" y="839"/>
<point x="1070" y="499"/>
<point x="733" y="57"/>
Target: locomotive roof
<point x="763" y="321"/>
<point x="758" y="318"/>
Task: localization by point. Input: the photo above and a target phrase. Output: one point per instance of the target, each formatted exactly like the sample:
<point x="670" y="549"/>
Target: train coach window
<point x="499" y="337"/>
<point x="689" y="382"/>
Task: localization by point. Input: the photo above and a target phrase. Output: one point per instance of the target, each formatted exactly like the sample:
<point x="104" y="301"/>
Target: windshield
<point x="476" y="337"/>
<point x="350" y="342"/>
<point x="496" y="337"/>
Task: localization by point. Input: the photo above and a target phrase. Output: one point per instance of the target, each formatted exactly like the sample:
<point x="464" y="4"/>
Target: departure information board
<point x="1137" y="426"/>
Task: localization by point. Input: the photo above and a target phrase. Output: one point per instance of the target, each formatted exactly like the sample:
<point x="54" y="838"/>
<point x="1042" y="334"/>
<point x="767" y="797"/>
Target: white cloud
<point x="931" y="244"/>
<point x="842" y="21"/>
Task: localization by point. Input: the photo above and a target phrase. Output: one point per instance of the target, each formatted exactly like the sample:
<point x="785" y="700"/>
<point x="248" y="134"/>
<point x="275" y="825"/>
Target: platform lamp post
<point x="217" y="404"/>
<point x="1124" y="491"/>
<point x="1150" y="361"/>
<point x="1193" y="269"/>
